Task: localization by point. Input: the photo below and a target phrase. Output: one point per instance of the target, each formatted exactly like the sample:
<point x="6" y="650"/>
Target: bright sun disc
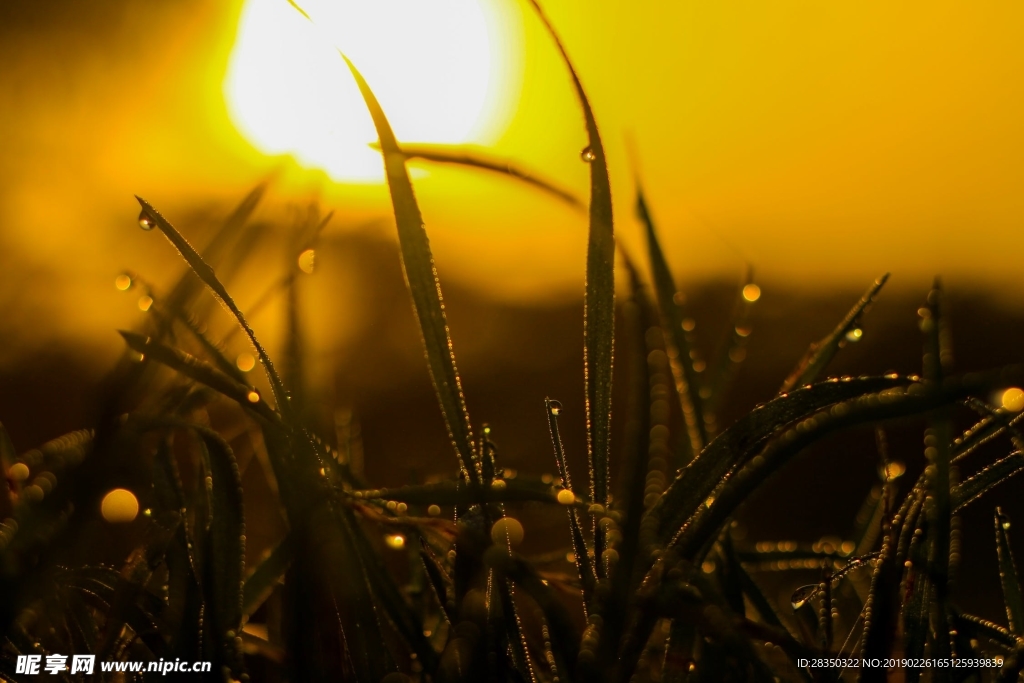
<point x="440" y="69"/>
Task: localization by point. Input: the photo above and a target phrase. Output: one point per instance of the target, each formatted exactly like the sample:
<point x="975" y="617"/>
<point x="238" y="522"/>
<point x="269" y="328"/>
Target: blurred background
<point x="823" y="145"/>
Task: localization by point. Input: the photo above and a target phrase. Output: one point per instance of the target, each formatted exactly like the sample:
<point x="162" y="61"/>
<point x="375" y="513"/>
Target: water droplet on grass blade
<point x="751" y="292"/>
<point x="555" y="407"/>
<point x="307" y="261"/>
<point x="802" y="595"/>
<point x="123" y="282"/>
<point x="396" y="541"/>
<point x="253" y="396"/>
<point x="587" y="154"/>
<point x="854" y="335"/>
<point x="566" y="497"/>
<point x="146" y="222"/>
<point x="145" y="303"/>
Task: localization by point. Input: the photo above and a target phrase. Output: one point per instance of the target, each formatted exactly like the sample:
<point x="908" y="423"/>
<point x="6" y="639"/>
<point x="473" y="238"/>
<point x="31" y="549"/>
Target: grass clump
<point x="662" y="591"/>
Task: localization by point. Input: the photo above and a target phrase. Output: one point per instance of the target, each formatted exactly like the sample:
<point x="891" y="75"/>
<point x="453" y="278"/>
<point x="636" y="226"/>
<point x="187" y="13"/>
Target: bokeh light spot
<point x="119" y="506"/>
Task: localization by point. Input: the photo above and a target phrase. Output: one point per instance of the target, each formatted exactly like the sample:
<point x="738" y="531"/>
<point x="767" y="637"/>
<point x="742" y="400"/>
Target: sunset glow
<point x="440" y="70"/>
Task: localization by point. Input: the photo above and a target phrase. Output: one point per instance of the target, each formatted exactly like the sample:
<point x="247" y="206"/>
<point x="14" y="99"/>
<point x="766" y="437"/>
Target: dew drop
<point x="245" y="362"/>
<point x="396" y="541"/>
<point x="802" y="595"/>
<point x="587" y="154"/>
<point x="751" y="292"/>
<point x="119" y="506"/>
<point x="555" y="408"/>
<point x="434" y="510"/>
<point x="145" y="303"/>
<point x="146" y="221"/>
<point x="253" y="396"/>
<point x="854" y="335"/>
<point x="123" y="282"/>
<point x="566" y="497"/>
<point x="708" y="567"/>
<point x="307" y="261"/>
<point x="892" y="471"/>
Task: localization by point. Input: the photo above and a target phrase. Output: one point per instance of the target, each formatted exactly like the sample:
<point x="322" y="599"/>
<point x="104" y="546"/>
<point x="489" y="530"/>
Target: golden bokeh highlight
<point x="145" y="303"/>
<point x="119" y="506"/>
<point x="395" y="541"/>
<point x="18" y="472"/>
<point x="751" y="292"/>
<point x="1013" y="399"/>
<point x="307" y="261"/>
<point x="245" y="362"/>
<point x="566" y="497"/>
<point x="123" y="282"/>
<point x="507" y="531"/>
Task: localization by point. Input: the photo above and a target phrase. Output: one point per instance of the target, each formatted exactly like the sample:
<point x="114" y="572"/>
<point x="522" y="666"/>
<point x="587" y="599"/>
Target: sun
<point x="443" y="70"/>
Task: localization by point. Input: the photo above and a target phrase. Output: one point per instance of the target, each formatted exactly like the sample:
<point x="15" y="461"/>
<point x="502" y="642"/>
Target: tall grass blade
<point x="821" y="353"/>
<point x="688" y="383"/>
<point x="584" y="568"/>
<point x="421" y="277"/>
<point x="209" y="278"/>
<point x="731" y="354"/>
<point x="225" y="550"/>
<point x="1008" y="577"/>
<point x="599" y="297"/>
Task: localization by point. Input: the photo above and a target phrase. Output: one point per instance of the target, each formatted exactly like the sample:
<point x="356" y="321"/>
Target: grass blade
<point x="599" y="297"/>
<point x="202" y="372"/>
<point x="225" y="551"/>
<point x="732" y="353"/>
<point x="821" y="353"/>
<point x="461" y="156"/>
<point x="699" y="479"/>
<point x="676" y="321"/>
<point x="206" y="274"/>
<point x="584" y="568"/>
<point x="974" y="487"/>
<point x="1008" y="576"/>
<point x="421" y="277"/>
<point x="268" y="573"/>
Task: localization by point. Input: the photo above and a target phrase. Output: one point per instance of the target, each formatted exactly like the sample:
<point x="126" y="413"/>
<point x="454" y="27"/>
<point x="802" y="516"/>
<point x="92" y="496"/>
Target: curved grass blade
<point x="268" y="573"/>
<point x="698" y="480"/>
<point x="202" y="372"/>
<point x="599" y="297"/>
<point x="584" y="568"/>
<point x="821" y="353"/>
<point x="973" y="488"/>
<point x="206" y="274"/>
<point x="891" y="403"/>
<point x="1008" y="576"/>
<point x="687" y="381"/>
<point x="187" y="286"/>
<point x="984" y="628"/>
<point x="461" y="156"/>
<point x="466" y="494"/>
<point x="421" y="277"/>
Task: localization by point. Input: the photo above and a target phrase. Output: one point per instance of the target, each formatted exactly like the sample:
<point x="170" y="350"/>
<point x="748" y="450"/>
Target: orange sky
<point x="826" y="143"/>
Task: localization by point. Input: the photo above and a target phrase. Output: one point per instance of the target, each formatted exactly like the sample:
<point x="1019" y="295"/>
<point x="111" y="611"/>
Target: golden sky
<point x="823" y="142"/>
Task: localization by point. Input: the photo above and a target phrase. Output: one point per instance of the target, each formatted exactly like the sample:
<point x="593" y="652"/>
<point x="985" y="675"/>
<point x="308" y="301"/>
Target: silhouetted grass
<point x="662" y="590"/>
